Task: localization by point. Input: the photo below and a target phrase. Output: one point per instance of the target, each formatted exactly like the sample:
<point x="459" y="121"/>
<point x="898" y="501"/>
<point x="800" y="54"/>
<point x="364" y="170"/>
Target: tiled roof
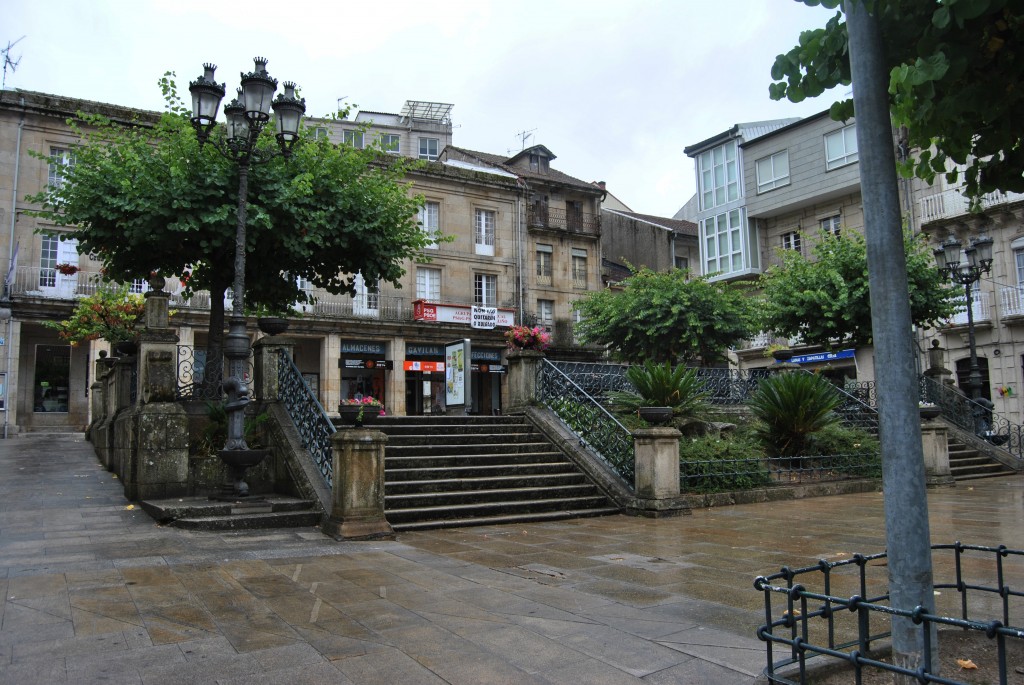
<point x="680" y="226"/>
<point x="553" y="175"/>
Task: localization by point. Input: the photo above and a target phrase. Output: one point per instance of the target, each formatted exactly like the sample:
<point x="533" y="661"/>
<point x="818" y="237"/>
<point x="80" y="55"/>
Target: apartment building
<point x="941" y="211"/>
<point x="523" y="243"/>
<point x="771" y="186"/>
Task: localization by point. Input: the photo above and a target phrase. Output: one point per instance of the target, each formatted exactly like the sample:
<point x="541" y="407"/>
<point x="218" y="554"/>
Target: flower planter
<point x="126" y="348"/>
<point x="272" y="325"/>
<point x="782" y="355"/>
<point x="929" y="413"/>
<point x="350" y="414"/>
<point x="655" y="415"/>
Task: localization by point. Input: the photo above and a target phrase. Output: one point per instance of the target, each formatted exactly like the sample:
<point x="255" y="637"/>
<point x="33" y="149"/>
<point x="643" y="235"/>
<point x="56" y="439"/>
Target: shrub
<point x="791" y="408"/>
<point x="721" y="464"/>
<point x="846" y="449"/>
<point x="662" y="385"/>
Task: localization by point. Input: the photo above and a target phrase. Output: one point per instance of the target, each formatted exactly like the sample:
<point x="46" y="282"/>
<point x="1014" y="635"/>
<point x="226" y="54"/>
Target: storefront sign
<point x="424" y="367"/>
<point x="488" y="368"/>
<point x="822" y="357"/>
<point x="482" y="355"/>
<point x="414" y="350"/>
<point x="362" y="347"/>
<point x="453" y="313"/>
<point x="485" y="318"/>
<point x="386" y="364"/>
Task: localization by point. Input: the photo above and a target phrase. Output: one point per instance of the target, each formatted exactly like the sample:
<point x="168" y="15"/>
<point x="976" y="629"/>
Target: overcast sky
<point x="615" y="90"/>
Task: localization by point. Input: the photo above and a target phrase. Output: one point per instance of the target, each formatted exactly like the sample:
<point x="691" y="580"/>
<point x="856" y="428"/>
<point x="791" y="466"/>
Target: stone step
<point x="560" y="467"/>
<point x="500" y="519"/>
<point x="491" y="496"/>
<point x="450" y="448"/>
<point x="202" y="513"/>
<point x="424" y="431"/>
<point x="286" y="519"/>
<point x="484" y="509"/>
<point x="447" y="438"/>
<point x="454" y="458"/>
<point x="442" y="484"/>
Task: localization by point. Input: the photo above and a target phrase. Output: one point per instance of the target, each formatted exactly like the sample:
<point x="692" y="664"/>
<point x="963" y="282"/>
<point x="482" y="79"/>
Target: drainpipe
<point x="524" y="189"/>
<point x="10" y="261"/>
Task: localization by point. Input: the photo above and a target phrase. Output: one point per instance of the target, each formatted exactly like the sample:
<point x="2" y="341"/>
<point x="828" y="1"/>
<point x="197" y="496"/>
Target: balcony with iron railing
<point x="540" y="216"/>
<point x="981" y="309"/>
<point x="1011" y="302"/>
<point x="951" y="203"/>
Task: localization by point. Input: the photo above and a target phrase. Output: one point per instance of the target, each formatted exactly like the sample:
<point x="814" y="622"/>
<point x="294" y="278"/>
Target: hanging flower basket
<point x="67" y="269"/>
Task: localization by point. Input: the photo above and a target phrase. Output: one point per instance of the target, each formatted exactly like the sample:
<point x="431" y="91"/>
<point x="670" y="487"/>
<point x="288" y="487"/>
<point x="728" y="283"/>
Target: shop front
<point x="363" y="370"/>
<point x="486" y="380"/>
<point x="424" y="379"/>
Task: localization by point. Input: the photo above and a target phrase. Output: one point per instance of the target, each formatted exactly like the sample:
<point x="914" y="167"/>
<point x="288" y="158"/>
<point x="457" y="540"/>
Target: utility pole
<point x="907" y="534"/>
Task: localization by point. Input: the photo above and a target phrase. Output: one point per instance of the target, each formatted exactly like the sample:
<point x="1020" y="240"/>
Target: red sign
<point x="425" y="367"/>
<point x="456" y="313"/>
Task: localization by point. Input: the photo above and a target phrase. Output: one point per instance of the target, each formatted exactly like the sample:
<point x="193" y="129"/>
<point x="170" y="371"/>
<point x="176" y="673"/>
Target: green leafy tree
<point x="111" y="313"/>
<point x="954" y="83"/>
<point x="145" y="197"/>
<point x="662" y="316"/>
<point x="824" y="299"/>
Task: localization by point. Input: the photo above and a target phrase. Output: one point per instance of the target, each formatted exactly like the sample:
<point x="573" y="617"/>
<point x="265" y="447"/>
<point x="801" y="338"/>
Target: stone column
<point x="936" y="371"/>
<point x="657" y="463"/>
<point x="522" y="379"/>
<point x="935" y="445"/>
<point x="357" y="495"/>
<point x="267" y="356"/>
<point x="159" y="455"/>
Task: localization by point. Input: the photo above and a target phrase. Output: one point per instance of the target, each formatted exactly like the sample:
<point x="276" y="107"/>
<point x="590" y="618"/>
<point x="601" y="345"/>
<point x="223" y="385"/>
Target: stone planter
<point x="782" y="355"/>
<point x="272" y="325"/>
<point x="656" y="416"/>
<point x="929" y="413"/>
<point x="126" y="348"/>
<point x="350" y="414"/>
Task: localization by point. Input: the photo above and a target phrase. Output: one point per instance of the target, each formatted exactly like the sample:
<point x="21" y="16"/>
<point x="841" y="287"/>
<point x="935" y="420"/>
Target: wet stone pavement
<point x="94" y="591"/>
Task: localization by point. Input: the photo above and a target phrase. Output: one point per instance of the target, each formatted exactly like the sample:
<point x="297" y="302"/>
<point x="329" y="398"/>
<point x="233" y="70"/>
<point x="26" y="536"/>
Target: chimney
<point x="600" y="184"/>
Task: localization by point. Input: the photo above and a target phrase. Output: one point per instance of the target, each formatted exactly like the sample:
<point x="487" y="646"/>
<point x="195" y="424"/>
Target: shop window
<point x="52" y="378"/>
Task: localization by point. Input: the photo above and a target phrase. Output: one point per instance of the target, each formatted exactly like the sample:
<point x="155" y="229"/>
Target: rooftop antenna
<point x="8" y="62"/>
<point x="523" y="136"/>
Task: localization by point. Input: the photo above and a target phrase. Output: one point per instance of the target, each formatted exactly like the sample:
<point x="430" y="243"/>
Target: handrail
<point x="311" y="421"/>
<point x="596" y="428"/>
<point x="975" y="416"/>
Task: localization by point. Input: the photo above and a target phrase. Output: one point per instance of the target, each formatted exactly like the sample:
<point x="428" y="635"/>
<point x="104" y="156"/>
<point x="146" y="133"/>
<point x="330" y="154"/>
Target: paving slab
<point x="93" y="590"/>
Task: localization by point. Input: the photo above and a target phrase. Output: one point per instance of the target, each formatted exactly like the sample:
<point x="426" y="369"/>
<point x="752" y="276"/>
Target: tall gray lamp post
<point x="979" y="262"/>
<point x="246" y="117"/>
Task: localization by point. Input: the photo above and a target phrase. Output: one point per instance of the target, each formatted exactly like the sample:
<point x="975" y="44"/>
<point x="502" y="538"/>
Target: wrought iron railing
<point x="812" y="619"/>
<point x="551" y="217"/>
<point x="594" y="425"/>
<point x="198" y="379"/>
<point x="857" y="405"/>
<point x="595" y="379"/>
<point x="729" y="386"/>
<point x="976" y="416"/>
<point x="308" y="415"/>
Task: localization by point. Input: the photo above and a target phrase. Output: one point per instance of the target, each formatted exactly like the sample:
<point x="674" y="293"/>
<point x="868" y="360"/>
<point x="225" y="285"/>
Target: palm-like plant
<point x="662" y="385"/>
<point x="791" y="408"/>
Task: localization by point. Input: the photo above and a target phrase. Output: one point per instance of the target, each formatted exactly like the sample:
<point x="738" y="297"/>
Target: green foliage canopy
<point x="954" y="84"/>
<point x="824" y="299"/>
<point x="664" y="317"/>
<point x="146" y="198"/>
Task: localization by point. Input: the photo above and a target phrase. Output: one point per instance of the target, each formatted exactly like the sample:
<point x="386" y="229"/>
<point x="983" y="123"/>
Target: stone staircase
<point x="967" y="463"/>
<point x="478" y="470"/>
<point x="259" y="512"/>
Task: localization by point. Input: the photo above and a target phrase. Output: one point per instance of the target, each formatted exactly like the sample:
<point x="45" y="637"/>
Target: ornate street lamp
<point x="979" y="262"/>
<point x="246" y="116"/>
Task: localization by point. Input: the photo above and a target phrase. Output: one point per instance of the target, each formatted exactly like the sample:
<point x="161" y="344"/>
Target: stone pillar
<point x="357" y="495"/>
<point x="159" y="467"/>
<point x="936" y="371"/>
<point x="98" y="396"/>
<point x="522" y="379"/>
<point x="158" y="349"/>
<point x="935" y="446"/>
<point x="267" y="357"/>
<point x="657" y="463"/>
<point x="395" y="404"/>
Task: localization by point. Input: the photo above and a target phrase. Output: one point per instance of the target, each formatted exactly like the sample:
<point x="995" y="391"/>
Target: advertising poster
<point x="456" y="373"/>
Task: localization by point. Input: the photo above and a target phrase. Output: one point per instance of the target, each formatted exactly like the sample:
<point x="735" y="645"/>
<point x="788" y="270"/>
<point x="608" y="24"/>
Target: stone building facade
<point x="520" y="237"/>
